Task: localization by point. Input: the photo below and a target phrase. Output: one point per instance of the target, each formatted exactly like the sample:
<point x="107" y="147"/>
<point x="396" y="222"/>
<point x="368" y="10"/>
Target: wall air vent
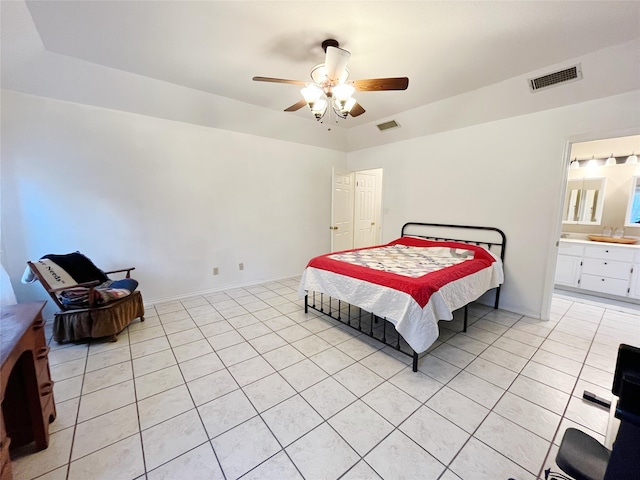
<point x="571" y="74"/>
<point x="388" y="125"/>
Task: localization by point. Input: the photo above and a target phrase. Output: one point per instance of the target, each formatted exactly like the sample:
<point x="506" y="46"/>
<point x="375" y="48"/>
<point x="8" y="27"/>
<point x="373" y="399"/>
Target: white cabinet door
<point x="611" y="286"/>
<point x="634" y="292"/>
<point x="568" y="270"/>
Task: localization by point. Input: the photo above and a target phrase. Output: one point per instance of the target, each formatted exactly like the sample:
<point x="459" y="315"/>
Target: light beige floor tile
<point x="398" y="449"/>
<point x="107" y="377"/>
<point x="163" y="406"/>
<point x="250" y="370"/>
<point x="226" y="412"/>
<point x="158" y="381"/>
<point x="244" y="447"/>
<point x="417" y="384"/>
<point x="209" y="387"/>
<point x="172" y="438"/>
<point x="152" y="363"/>
<point x="360" y="426"/>
<point x="457" y="408"/>
<point x="268" y="391"/>
<point x="119" y="460"/>
<point x="322" y="454"/>
<point x="528" y="415"/>
<point x="391" y="402"/>
<point x="106" y="400"/>
<point x="518" y="444"/>
<point x="446" y="445"/>
<point x="200" y="366"/>
<point x="199" y="464"/>
<point x="478" y="461"/>
<point x="62" y="371"/>
<point x="192" y="350"/>
<point x="303" y="374"/>
<point x="477" y="389"/>
<point x="102" y="431"/>
<point x="291" y="419"/>
<point x="277" y="467"/>
<point x="328" y="397"/>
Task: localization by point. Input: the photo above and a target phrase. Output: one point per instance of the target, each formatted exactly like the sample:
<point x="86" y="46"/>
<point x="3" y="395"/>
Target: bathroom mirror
<point x="632" y="218"/>
<point x="584" y="200"/>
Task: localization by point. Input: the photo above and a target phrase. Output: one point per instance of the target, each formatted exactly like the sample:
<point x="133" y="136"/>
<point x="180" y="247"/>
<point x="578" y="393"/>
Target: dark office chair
<point x="584" y="458"/>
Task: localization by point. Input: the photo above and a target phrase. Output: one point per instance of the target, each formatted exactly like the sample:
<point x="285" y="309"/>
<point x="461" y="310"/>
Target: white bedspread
<point x="418" y="326"/>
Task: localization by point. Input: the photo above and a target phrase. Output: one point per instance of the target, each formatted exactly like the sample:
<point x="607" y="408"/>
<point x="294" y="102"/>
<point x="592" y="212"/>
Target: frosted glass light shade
<point x="610" y="161"/>
<point x="632" y="159"/>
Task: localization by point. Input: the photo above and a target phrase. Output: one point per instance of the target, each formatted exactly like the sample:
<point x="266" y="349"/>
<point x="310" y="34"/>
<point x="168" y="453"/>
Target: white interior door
<point x="365" y="216"/>
<point x="342" y="211"/>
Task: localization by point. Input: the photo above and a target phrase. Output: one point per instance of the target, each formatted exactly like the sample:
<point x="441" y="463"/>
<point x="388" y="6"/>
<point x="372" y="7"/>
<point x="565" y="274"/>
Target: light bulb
<point x="311" y="94"/>
<point x="342" y="92"/>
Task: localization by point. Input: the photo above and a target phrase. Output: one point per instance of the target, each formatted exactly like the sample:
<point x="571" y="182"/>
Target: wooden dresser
<point x="27" y="389"/>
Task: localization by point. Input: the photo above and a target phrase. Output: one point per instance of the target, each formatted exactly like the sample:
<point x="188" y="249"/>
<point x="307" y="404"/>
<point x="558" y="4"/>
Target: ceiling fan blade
<point x="335" y="62"/>
<point x="279" y="80"/>
<point x="380" y="84"/>
<point x="296" y="106"/>
<point x="356" y="110"/>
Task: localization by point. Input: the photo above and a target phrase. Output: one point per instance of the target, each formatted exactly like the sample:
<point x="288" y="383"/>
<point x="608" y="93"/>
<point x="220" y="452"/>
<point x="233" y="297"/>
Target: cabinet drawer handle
<point x="38" y="325"/>
<point x="42" y="353"/>
<point x="606" y="251"/>
<point x="602" y="279"/>
<point x="46" y="389"/>
<point x="605" y="263"/>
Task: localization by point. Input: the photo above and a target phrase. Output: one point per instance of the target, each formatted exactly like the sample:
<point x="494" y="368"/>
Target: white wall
<point x="507" y="173"/>
<point x="170" y="198"/>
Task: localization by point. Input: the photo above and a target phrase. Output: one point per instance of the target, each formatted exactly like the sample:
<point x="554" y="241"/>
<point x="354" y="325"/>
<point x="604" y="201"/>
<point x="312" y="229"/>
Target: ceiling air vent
<point x="570" y="74"/>
<point x="388" y="125"/>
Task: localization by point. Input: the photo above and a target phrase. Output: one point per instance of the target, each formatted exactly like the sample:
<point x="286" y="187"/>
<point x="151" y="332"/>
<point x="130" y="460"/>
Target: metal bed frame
<point x="336" y="308"/>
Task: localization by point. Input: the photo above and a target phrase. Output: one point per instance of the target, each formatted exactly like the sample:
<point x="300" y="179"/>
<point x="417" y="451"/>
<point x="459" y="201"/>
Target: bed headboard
<point x="491" y="238"/>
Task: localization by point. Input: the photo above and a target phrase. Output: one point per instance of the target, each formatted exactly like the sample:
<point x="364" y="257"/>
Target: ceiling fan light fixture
<point x="329" y="85"/>
<point x="319" y="108"/>
<point x="342" y="92"/>
<point x="343" y="107"/>
<point x="311" y="93"/>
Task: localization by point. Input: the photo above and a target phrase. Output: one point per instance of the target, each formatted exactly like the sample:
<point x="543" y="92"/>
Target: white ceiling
<point x="445" y="48"/>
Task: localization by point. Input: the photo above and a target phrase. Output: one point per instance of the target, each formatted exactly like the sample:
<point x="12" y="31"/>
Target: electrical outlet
<point x="215" y="270"/>
<point x="241" y="266"/>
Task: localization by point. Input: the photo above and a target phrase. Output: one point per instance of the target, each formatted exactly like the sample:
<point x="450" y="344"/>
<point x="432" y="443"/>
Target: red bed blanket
<point x="405" y="275"/>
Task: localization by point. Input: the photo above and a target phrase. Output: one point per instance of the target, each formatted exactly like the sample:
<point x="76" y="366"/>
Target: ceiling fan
<point x="330" y="86"/>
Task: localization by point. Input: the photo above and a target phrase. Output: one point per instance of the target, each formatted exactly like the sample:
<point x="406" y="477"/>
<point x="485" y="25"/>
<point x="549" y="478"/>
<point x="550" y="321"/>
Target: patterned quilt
<point x="405" y="260"/>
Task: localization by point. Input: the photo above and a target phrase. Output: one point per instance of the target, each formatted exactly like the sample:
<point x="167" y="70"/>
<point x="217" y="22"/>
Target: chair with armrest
<point x="91" y="304"/>
<point x="583" y="457"/>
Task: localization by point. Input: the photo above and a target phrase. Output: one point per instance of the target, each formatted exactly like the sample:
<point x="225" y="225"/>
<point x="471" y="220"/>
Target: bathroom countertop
<point x="584" y="239"/>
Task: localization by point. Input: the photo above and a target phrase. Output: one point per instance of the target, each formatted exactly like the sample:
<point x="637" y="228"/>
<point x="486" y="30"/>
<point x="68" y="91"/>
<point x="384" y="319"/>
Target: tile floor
<point x="243" y="384"/>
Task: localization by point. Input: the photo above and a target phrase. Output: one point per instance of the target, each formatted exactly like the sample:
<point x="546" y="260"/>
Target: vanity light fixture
<point x="575" y="163"/>
<point x="593" y="162"/>
<point x="632" y="159"/>
<point x="610" y="161"/>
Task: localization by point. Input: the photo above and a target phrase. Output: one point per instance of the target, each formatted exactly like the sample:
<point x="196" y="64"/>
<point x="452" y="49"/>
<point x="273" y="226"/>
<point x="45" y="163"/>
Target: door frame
<point x="553" y="242"/>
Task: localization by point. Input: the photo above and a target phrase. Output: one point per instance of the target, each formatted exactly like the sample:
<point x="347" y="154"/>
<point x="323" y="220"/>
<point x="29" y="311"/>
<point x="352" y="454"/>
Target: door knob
<point x="333" y="228"/>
